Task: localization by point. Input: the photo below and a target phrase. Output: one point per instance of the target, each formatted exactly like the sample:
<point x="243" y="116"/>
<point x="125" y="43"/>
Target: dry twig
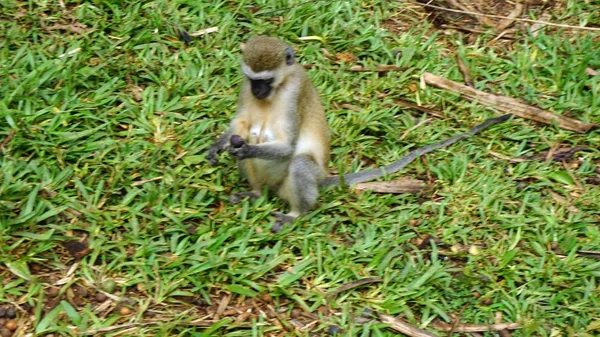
<point x="589" y="253"/>
<point x="464" y="69"/>
<point x="511" y="17"/>
<point x="509" y="105"/>
<point x="382" y="68"/>
<point x="468" y="9"/>
<point x="354" y="284"/>
<point x="401" y="326"/>
<point x="515" y="19"/>
<point x="406" y="185"/>
<point x="477" y="31"/>
<point x="467" y="328"/>
<point x="411" y="105"/>
<point x="74" y="27"/>
<point x="10" y="135"/>
<point x="200" y="323"/>
<point x="457" y="320"/>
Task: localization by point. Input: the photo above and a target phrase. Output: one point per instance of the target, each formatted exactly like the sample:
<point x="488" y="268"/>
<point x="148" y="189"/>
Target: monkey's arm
<point x="367" y="175"/>
<point x="271" y="151"/>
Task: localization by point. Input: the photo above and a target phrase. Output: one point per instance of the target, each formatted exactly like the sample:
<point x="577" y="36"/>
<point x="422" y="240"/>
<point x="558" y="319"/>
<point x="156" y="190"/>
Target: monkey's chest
<point x="261" y="133"/>
<point x="269" y="172"/>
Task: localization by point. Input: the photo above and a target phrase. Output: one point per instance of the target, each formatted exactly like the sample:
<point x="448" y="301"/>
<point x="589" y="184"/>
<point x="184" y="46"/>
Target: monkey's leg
<point x="300" y="189"/>
<point x="248" y="170"/>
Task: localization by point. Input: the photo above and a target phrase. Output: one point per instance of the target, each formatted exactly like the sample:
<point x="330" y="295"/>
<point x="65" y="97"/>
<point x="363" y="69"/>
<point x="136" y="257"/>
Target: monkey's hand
<point x="212" y="158"/>
<point x="217" y="148"/>
<point x="242" y="152"/>
<point x="239" y="149"/>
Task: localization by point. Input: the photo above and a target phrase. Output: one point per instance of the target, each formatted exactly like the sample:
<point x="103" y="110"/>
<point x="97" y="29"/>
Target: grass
<point x="111" y="126"/>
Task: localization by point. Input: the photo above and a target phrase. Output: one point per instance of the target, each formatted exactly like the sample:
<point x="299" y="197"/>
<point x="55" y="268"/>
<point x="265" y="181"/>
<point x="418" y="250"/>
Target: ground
<point x="112" y="222"/>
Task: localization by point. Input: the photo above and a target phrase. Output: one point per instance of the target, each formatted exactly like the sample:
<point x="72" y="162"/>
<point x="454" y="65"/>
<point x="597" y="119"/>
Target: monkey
<point x="280" y="135"/>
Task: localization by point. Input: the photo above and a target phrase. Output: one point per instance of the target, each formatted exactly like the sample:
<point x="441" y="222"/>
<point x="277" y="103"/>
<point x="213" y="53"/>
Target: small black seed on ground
<point x="334" y="330"/>
<point x="11" y="312"/>
<point x="27" y="307"/>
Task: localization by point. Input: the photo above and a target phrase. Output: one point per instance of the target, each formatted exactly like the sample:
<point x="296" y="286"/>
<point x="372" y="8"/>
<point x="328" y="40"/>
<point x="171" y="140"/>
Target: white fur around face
<point x="261" y="134"/>
<point x="261" y="75"/>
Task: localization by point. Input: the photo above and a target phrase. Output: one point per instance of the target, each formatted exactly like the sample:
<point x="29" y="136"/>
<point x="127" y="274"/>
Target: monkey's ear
<point x="242" y="46"/>
<point x="289" y="56"/>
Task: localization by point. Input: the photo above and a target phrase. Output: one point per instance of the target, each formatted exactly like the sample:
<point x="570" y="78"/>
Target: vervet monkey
<point x="280" y="135"/>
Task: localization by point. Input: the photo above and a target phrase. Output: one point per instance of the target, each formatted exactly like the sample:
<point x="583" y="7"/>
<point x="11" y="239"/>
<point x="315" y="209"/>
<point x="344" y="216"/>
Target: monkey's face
<point x="261" y="88"/>
<point x="267" y="62"/>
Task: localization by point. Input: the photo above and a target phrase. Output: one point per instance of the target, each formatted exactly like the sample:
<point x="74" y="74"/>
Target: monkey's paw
<point x="241" y="152"/>
<point x="212" y="158"/>
<point x="281" y="221"/>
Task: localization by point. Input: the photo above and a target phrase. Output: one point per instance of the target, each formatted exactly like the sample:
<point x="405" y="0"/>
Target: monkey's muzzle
<point x="261" y="88"/>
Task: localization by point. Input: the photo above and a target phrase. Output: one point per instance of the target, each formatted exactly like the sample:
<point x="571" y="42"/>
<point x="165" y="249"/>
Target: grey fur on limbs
<point x="268" y="151"/>
<point x="218" y="147"/>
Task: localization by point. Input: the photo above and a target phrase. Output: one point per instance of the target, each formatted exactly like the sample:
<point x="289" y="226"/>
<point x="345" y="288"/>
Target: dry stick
<point x="411" y="105"/>
<point x="462" y="66"/>
<point x="467" y="328"/>
<point x="112" y="328"/>
<point x="354" y="284"/>
<point x="457" y="320"/>
<point x="406" y="185"/>
<point x="11" y="134"/>
<point x="516" y="19"/>
<point x="382" y="68"/>
<point x="511" y="17"/>
<point x="141" y="324"/>
<point x="401" y="326"/>
<point x="467" y="8"/>
<point x="509" y="105"/>
<point x="477" y="31"/>
<point x="589" y="253"/>
<point x="498" y="320"/>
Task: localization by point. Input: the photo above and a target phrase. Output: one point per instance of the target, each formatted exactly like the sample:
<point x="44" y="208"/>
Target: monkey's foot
<point x="281" y="221"/>
<point x="238" y="197"/>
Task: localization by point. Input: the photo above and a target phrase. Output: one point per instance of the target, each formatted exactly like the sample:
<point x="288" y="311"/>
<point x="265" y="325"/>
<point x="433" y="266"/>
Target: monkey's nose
<point x="261" y="93"/>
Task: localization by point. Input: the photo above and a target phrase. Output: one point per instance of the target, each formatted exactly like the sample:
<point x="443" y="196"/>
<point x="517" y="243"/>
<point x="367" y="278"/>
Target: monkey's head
<point x="267" y="61"/>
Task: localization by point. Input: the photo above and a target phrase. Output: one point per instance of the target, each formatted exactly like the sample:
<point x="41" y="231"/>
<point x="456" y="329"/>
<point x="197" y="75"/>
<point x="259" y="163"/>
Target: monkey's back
<point x="313" y="136"/>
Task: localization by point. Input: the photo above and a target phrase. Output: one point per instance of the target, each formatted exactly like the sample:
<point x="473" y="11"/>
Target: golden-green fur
<point x="264" y="53"/>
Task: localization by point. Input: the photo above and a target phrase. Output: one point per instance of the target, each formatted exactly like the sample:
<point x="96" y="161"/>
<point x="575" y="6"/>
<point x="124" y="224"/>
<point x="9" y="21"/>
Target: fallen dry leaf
<point x="347" y="57"/>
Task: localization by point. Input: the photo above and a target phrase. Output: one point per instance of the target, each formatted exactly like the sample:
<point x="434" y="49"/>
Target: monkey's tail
<point x="366" y="175"/>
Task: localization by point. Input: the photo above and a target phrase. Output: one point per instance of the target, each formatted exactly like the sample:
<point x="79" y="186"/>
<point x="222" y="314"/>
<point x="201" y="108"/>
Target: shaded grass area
<point x="111" y="124"/>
